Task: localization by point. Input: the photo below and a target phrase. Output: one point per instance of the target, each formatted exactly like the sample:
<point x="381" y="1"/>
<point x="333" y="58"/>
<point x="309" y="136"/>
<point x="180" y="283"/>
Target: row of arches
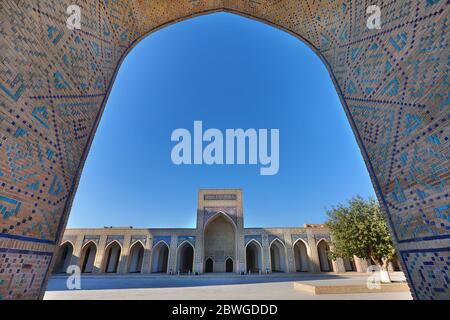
<point x="185" y="258"/>
<point x="135" y="261"/>
<point x="220" y="233"/>
<point x="278" y="261"/>
<point x="110" y="263"/>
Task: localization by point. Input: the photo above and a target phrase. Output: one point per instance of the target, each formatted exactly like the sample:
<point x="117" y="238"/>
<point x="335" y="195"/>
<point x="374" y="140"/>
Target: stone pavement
<point x="209" y="287"/>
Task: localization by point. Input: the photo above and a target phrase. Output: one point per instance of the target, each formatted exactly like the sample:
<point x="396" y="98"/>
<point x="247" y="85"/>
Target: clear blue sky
<point x="229" y="72"/>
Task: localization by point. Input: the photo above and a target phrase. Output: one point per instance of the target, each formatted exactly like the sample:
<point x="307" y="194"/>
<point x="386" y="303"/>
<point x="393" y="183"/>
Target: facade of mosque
<point x="219" y="243"/>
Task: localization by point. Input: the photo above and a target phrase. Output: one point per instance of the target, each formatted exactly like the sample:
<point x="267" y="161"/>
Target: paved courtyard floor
<point x="211" y="286"/>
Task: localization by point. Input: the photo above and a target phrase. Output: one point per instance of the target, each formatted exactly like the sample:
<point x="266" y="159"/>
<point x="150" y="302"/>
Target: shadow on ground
<point x="100" y="282"/>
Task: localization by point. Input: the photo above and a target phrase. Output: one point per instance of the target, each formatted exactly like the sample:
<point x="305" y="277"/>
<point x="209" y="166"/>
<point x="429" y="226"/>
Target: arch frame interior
<point x="216" y="262"/>
<point x="415" y="125"/>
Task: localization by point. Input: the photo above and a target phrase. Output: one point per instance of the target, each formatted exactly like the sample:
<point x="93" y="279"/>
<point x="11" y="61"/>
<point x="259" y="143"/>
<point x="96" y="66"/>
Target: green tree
<point x="359" y="229"/>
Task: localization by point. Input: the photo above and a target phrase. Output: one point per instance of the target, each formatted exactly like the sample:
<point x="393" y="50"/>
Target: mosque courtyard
<point x="214" y="286"/>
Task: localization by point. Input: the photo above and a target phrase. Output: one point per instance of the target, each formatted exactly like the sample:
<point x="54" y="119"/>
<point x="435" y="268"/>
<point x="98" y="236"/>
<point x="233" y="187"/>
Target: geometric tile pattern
<point x="95" y="239"/>
<point x="116" y="238"/>
<point x="166" y="239"/>
<point x="318" y="237"/>
<point x="431" y="266"/>
<point x="71" y="239"/>
<point x="393" y="84"/>
<point x="250" y="237"/>
<point x="22" y="269"/>
<point x="273" y="237"/>
<point x="212" y="211"/>
<point x="142" y="239"/>
<point x="296" y="237"/>
<point x="190" y="239"/>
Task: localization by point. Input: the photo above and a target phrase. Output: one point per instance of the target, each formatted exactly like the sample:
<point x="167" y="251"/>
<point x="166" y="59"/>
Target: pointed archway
<point x="185" y="257"/>
<point x="65" y="253"/>
<point x="301" y="256"/>
<point x="112" y="257"/>
<point x="160" y="258"/>
<point x="136" y="258"/>
<point x="323" y="250"/>
<point x="278" y="256"/>
<point x="87" y="257"/>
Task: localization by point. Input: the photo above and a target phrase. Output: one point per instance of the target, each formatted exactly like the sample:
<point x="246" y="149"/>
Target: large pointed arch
<point x="220" y="241"/>
<point x="278" y="256"/>
<point x="325" y="263"/>
<point x="334" y="29"/>
<point x="253" y="256"/>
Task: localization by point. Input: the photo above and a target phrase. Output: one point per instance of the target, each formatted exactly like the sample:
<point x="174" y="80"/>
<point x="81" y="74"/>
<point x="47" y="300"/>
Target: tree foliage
<point x="358" y="229"/>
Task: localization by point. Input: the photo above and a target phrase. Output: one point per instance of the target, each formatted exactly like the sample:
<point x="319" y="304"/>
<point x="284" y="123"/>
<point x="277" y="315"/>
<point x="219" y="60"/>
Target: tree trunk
<point x="384" y="273"/>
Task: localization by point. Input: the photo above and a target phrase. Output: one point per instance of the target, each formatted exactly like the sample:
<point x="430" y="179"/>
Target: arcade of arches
<point x="219" y="244"/>
<point x="54" y="84"/>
